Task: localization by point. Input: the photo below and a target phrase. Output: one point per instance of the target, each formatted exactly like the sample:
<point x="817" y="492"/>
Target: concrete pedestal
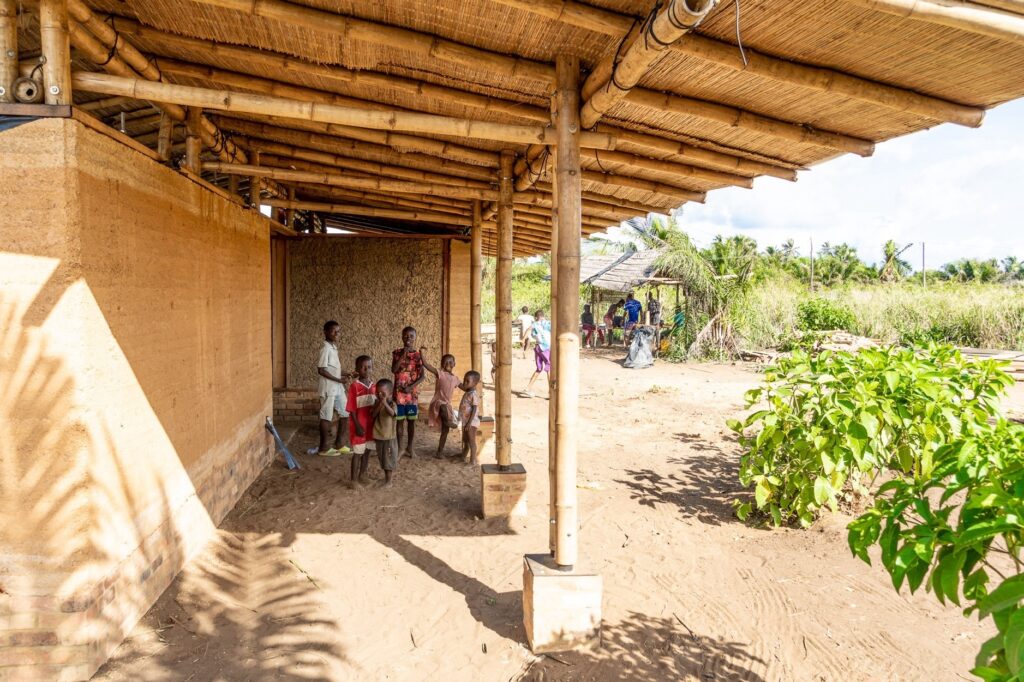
<point x="561" y="610"/>
<point x="502" y="493"/>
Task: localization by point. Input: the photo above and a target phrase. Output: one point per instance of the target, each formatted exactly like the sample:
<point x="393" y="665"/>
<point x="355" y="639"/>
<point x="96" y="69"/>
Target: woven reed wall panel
<point x="459" y="304"/>
<point x="372" y="287"/>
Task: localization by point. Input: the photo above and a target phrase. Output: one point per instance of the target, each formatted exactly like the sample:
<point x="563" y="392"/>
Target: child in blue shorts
<point x="407" y="366"/>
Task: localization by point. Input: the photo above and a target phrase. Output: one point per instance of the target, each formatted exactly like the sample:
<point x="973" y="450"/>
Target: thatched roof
<point x="622" y="273"/>
<point x="824" y="77"/>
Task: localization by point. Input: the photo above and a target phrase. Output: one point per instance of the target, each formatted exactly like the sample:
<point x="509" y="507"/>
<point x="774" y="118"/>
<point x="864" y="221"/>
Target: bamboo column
<point x="8" y="49"/>
<point x="193" y="139"/>
<point x="56" y="48"/>
<point x="503" y="306"/>
<point x="553" y="384"/>
<point x="163" y="145"/>
<point x="289" y="215"/>
<point x="255" y="187"/>
<point x="567" y="265"/>
<point x="476" y="273"/>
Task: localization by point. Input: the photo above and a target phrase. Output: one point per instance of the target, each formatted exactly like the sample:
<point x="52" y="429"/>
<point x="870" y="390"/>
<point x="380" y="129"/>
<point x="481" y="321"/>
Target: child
<point x="525" y="323"/>
<point x="360" y="426"/>
<point x="587" y="321"/>
<point x="442" y="413"/>
<point x="469" y="414"/>
<point x="612" y="321"/>
<point x="541" y="333"/>
<point x="331" y="389"/>
<point x="384" y="430"/>
<point x="407" y="366"/>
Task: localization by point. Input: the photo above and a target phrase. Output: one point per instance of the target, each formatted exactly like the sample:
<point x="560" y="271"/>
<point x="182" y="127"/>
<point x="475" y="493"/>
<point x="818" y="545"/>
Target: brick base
<point x="296" y="406"/>
<point x="502" y="493"/>
<point x="561" y="610"/>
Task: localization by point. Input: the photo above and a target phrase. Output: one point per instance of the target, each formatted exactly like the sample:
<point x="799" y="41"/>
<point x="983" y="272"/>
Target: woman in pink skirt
<point x="442" y="414"/>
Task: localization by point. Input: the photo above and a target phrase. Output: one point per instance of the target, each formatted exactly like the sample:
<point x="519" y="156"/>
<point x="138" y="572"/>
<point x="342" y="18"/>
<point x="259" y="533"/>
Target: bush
<point x="834" y="421"/>
<point x="821" y="314"/>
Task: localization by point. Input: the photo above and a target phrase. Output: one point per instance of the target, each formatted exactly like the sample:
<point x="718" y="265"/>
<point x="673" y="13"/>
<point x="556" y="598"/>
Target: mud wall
<point x="136" y="374"/>
<point x="373" y="288"/>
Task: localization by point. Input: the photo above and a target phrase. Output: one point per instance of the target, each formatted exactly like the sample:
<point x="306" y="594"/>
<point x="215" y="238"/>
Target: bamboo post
<point x="163" y="146"/>
<point x="8" y="49"/>
<point x="503" y="301"/>
<point x="56" y="48"/>
<point x="476" y="274"/>
<point x="255" y="186"/>
<point x="553" y="385"/>
<point x="568" y="180"/>
<point x="289" y="216"/>
<point x="233" y="185"/>
<point x="193" y="139"/>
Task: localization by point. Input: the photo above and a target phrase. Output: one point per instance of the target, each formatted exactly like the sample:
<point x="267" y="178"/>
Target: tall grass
<point x="978" y="315"/>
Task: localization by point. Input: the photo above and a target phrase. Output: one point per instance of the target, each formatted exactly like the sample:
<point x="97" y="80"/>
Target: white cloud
<point x="958" y="189"/>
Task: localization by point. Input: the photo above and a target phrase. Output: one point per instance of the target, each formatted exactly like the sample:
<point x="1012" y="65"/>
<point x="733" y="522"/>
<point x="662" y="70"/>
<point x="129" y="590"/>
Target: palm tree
<point x="893" y="267"/>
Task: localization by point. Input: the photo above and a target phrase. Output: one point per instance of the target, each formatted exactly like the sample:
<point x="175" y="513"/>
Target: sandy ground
<point x="311" y="580"/>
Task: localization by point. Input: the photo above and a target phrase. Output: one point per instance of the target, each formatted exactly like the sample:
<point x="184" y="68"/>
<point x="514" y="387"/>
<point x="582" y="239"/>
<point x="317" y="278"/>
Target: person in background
<point x="541" y="333"/>
<point x="609" y="319"/>
<point x="384" y="436"/>
<point x="653" y="309"/>
<point x="441" y="414"/>
<point x="469" y="415"/>
<point x="331" y="388"/>
<point x="587" y="321"/>
<point x="407" y="366"/>
<point x="525" y="324"/>
<point x="361" y="400"/>
<point x="633" y="310"/>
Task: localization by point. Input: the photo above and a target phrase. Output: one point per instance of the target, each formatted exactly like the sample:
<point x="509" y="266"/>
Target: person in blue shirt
<point x="633" y="309"/>
<point x="541" y="334"/>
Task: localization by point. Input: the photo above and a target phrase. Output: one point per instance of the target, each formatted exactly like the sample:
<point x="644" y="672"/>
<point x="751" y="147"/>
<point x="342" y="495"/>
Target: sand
<point x="309" y="579"/>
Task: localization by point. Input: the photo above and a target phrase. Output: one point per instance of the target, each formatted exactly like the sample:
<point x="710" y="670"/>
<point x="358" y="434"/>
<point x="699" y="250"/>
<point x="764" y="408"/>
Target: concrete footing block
<point x="561" y="609"/>
<point x="502" y="493"/>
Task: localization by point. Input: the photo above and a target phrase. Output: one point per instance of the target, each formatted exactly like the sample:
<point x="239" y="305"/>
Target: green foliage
<point x="821" y="314"/>
<point x="831" y="423"/>
<point x="951" y="525"/>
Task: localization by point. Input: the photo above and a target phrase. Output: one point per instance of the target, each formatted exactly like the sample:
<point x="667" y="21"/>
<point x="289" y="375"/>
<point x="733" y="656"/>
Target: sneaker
<point x="313" y="451"/>
<point x="344" y="450"/>
<point x="330" y="453"/>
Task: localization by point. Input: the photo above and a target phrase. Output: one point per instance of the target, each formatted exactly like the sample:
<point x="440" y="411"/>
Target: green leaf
<point x="743" y="511"/>
<point x="734" y="425"/>
<point x="892" y="380"/>
<point x="822" y="491"/>
<point x="1013" y="642"/>
<point x="761" y="493"/>
<point x="1008" y="594"/>
<point x="869" y="422"/>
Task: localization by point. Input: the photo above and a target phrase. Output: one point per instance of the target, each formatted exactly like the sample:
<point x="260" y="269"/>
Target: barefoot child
<point x="407" y="366"/>
<point x="361" y="400"/>
<point x="442" y="413"/>
<point x="541" y="333"/>
<point x="331" y="389"/>
<point x="384" y="429"/>
<point x="469" y="415"/>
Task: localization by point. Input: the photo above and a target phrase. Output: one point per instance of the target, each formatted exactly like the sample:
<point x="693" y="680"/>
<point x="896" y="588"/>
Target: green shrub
<point x="834" y="421"/>
<point x="822" y="314"/>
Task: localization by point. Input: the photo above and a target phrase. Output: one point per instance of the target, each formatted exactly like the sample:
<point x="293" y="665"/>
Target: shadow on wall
<point x="649" y="649"/>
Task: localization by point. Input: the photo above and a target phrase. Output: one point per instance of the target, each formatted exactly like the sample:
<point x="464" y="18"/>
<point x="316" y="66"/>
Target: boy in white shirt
<point x="525" y="324"/>
<point x="331" y="389"/>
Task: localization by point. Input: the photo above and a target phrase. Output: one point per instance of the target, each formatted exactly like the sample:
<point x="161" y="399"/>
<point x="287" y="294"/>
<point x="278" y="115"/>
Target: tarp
<point x="639" y="355"/>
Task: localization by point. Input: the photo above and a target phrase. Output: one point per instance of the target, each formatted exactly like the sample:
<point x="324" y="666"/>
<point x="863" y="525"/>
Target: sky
<point x="960" y="190"/>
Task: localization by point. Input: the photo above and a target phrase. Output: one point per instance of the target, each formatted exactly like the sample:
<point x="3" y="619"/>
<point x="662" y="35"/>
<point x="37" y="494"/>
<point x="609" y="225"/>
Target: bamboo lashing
<point x="602" y="91"/>
<point x="811" y="76"/>
<point x="567" y="262"/>
<point x="503" y="316"/>
<point x="9" y="67"/>
<point x="371" y="183"/>
<point x="965" y="16"/>
<point x="740" y="118"/>
<point x="476" y="276"/>
<point x="402" y="121"/>
<point x="55" y="42"/>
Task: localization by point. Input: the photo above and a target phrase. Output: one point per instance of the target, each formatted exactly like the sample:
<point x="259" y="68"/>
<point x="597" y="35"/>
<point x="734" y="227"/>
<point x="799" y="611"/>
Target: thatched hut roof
<point x="822" y="78"/>
<point x="622" y="273"/>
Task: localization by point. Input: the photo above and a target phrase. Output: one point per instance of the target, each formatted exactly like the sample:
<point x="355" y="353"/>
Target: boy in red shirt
<point x="361" y="399"/>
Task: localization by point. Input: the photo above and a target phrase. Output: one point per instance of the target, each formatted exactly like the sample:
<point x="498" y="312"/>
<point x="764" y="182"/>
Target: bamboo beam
<point x="370" y="211"/>
<point x="106" y="103"/>
<point x="9" y="66"/>
<point x="56" y="47"/>
<point x="741" y="118"/>
<point x="431" y="203"/>
<point x="725" y="54"/>
<point x="567" y="262"/>
<point x="667" y="167"/>
<point x="429" y="47"/>
<point x="643" y="185"/>
<point x="613" y="77"/>
<point x="371" y="183"/>
<point x="362" y="166"/>
<point x="163" y="147"/>
<point x="391" y="120"/>
<point x="347" y="147"/>
<point x="476" y="279"/>
<point x="965" y="16"/>
<point x="503" y="315"/>
<point x="1014" y="6"/>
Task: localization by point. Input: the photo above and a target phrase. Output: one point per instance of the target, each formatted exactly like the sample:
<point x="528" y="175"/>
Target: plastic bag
<point x="639" y="355"/>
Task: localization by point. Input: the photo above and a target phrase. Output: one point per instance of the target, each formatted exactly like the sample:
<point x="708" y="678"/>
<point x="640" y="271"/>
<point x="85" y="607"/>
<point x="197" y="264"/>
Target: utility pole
<point x="924" y="271"/>
<point x="812" y="264"/>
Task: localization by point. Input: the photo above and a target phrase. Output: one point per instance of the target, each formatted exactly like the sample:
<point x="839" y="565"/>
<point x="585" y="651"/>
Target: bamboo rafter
<point x="965" y="16"/>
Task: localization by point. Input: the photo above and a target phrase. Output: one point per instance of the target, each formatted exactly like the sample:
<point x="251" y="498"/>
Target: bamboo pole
<point x="163" y="146"/>
<point x="668" y="167"/>
<point x="965" y="16"/>
<point x="56" y="47"/>
<point x="764" y="65"/>
<point x="9" y="66"/>
<point x="476" y="274"/>
<point x="430" y="203"/>
<point x="224" y="100"/>
<point x="553" y="374"/>
<point x="289" y="215"/>
<point x="1014" y="6"/>
<point x="255" y="188"/>
<point x="567" y="263"/>
<point x="370" y="211"/>
<point x="644" y="185"/>
<point x="193" y="140"/>
<point x="334" y="180"/>
<point x="614" y="76"/>
<point x="503" y="317"/>
<point x="740" y="118"/>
